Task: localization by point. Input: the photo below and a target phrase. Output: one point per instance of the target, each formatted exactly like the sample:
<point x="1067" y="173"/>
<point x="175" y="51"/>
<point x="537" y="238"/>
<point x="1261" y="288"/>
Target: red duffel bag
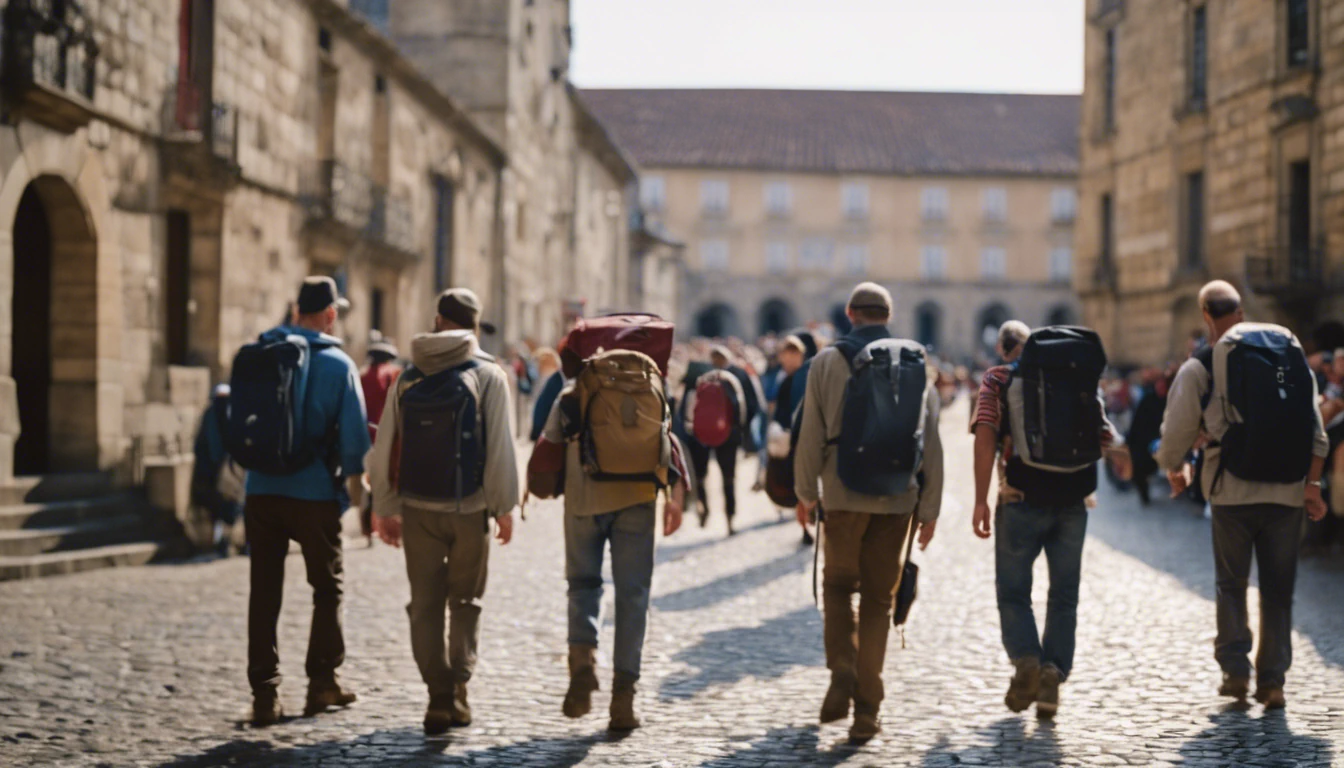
<point x="635" y="332"/>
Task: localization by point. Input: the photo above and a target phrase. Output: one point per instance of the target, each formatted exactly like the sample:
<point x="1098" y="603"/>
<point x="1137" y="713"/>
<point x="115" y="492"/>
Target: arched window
<point x="775" y="316"/>
<point x="928" y="324"/>
<point x="1062" y="314"/>
<point x="716" y="321"/>
<point x="987" y="327"/>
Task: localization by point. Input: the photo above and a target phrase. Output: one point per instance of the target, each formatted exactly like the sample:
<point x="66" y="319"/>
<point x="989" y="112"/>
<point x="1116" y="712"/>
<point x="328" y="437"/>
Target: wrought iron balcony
<point x="335" y="192"/>
<point x="1290" y="272"/>
<point x="187" y="120"/>
<point x="49" y="61"/>
<point x="391" y="222"/>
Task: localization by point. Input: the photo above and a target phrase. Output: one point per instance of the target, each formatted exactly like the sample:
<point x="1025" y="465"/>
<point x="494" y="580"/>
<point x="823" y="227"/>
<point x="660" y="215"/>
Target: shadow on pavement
<point x="1010" y="744"/>
<point x="405" y="746"/>
<point x="793" y="746"/>
<point x="1266" y="740"/>
<point x="764" y="651"/>
<point x="672" y="552"/>
<point x="734" y="584"/>
<point x="1173" y="536"/>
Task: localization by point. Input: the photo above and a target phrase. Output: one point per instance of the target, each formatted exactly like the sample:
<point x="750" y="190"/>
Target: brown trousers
<point x="865" y="554"/>
<point x="447" y="555"/>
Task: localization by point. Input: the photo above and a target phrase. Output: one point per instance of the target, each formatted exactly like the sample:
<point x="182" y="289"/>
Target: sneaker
<point x="325" y="694"/>
<point x="836" y="704"/>
<point x="461" y="709"/>
<point x="1025" y="686"/>
<point x="1047" y="698"/>
<point x="865" y="728"/>
<point x="1235" y="686"/>
<point x="1272" y="698"/>
<point x="266" y="709"/>
<point x="439" y="715"/>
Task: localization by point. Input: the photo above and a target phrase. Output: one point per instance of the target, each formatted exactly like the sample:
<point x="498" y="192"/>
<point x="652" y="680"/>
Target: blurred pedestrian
<point x="216" y="481"/>
<point x="376" y="380"/>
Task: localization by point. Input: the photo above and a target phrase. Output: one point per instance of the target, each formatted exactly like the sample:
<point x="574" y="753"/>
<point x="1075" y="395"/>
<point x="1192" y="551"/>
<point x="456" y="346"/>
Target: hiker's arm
<point x="931" y="495"/>
<point x="385" y="503"/>
<point x="810" y="456"/>
<point x="1183" y="417"/>
<point x="501" y="460"/>
<point x="986" y="449"/>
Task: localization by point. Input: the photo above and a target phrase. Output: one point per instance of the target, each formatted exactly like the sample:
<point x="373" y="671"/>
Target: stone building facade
<point x="1212" y="145"/>
<point x="962" y="204"/>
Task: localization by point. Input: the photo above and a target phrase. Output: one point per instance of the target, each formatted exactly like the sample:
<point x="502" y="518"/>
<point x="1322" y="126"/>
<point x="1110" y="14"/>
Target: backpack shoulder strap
<point x="1205" y="358"/>
<point x="849" y="351"/>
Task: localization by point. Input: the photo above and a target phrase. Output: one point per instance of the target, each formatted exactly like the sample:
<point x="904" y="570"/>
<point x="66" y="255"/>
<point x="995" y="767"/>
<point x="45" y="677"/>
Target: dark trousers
<point x="1272" y="533"/>
<point x="726" y="456"/>
<point x="316" y="525"/>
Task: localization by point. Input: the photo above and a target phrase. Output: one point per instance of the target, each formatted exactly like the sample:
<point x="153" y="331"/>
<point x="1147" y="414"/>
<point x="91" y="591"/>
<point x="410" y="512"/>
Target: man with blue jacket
<point x="303" y="506"/>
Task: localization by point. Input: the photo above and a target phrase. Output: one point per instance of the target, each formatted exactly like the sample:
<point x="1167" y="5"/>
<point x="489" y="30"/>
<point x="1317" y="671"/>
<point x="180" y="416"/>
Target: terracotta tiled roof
<point x="844" y="131"/>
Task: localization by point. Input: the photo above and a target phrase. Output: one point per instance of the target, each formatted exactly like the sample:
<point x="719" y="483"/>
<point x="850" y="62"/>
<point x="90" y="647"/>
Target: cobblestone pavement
<point x="145" y="666"/>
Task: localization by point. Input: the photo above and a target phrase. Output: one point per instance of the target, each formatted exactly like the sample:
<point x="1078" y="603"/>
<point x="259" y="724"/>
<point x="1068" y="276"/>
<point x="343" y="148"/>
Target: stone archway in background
<point x="929" y="325"/>
<point x="716" y="321"/>
<point x="987" y="326"/>
<point x="1061" y="314"/>
<point x="775" y="316"/>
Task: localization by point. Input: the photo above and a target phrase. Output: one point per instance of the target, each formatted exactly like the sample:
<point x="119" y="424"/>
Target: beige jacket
<point x="499" y="492"/>
<point x="1185" y="420"/>
<point x="823" y="406"/>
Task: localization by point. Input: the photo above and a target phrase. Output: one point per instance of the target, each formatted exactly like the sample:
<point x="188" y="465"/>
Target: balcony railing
<point x="1289" y="271"/>
<point x="49" y="59"/>
<point x="391" y="221"/>
<point x="336" y="192"/>
<point x="185" y="119"/>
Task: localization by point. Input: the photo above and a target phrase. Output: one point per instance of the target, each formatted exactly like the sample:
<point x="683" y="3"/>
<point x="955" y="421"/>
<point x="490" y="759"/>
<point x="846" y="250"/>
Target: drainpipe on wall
<point x="499" y="253"/>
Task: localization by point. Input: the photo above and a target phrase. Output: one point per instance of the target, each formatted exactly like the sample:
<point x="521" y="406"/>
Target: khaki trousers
<point x="865" y="554"/>
<point x="446" y="560"/>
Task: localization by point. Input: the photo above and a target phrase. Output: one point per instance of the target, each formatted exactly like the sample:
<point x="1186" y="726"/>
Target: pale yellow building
<point x="962" y="204"/>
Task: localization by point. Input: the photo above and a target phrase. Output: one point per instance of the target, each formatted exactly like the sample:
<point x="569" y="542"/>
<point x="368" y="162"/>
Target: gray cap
<point x="462" y="307"/>
<point x="870" y="297"/>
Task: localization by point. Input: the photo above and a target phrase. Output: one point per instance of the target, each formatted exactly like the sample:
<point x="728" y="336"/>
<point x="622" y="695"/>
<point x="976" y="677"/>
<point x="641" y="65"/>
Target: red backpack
<point x="716" y="410"/>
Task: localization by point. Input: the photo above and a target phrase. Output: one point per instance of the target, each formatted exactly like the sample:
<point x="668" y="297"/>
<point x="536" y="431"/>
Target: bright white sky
<point x="1032" y="46"/>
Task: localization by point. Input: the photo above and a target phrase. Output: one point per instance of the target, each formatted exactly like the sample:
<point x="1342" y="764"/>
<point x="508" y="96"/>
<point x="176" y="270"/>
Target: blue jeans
<point x="631" y="533"/>
<point x="1023" y="530"/>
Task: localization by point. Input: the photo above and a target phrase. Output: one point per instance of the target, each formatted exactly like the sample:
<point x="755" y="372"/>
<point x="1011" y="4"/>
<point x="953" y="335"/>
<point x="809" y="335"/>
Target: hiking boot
<point x="461" y="709"/>
<point x="836" y="704"/>
<point x="1026" y="684"/>
<point x="731" y="530"/>
<point x="807" y="538"/>
<point x="1272" y="698"/>
<point x="1235" y="686"/>
<point x="439" y="715"/>
<point x="702" y="511"/>
<point x="324" y="694"/>
<point x="866" y="726"/>
<point x="1047" y="698"/>
<point x="623" y="716"/>
<point x="582" y="681"/>
<point x="266" y="709"/>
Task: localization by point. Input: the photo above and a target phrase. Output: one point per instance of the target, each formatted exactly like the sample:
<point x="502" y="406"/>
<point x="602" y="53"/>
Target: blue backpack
<point x="264" y="430"/>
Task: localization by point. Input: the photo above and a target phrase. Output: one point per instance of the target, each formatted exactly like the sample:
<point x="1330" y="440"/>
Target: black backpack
<point x="442" y="436"/>
<point x="264" y="430"/>
<point x="881" y="442"/>
<point x="1267" y="395"/>
<point x="1053" y="412"/>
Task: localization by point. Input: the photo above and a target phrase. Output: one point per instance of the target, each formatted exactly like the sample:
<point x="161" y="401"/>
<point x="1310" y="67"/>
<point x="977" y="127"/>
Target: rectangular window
<point x="443" y="233"/>
<point x="1063" y="205"/>
<point x="933" y="204"/>
<point x="994" y="203"/>
<point x="1298" y="32"/>
<point x="1194" y="220"/>
<point x="778" y="198"/>
<point x="1106" y="232"/>
<point x="777" y="258"/>
<point x="1199" y="56"/>
<point x="993" y="263"/>
<point x="376" y="309"/>
<point x="1108" y="82"/>
<point x="177" y="287"/>
<point x="815" y="254"/>
<point x="714" y="255"/>
<point x="854" y="200"/>
<point x="933" y="262"/>
<point x="652" y="193"/>
<point x="1299" y="219"/>
<point x="714" y="197"/>
<point x="856" y="258"/>
<point x="1061" y="263"/>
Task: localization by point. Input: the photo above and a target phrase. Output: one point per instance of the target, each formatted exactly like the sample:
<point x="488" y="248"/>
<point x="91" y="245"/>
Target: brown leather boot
<point x="838" y="697"/>
<point x="323" y="694"/>
<point x="266" y="709"/>
<point x="1025" y="685"/>
<point x="582" y="681"/>
<point x="461" y="709"/>
<point x="623" y="716"/>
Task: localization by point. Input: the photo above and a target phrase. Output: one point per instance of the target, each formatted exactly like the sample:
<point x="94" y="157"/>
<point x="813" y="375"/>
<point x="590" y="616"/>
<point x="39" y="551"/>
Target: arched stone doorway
<point x="54" y="331"/>
<point x="1062" y="314"/>
<point x="928" y="324"/>
<point x="716" y="321"/>
<point x="987" y="326"/>
<point x="840" y="320"/>
<point x="775" y="316"/>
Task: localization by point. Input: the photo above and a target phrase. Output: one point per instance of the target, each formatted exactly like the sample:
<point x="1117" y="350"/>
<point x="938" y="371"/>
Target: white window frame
<point x="714" y="195"/>
<point x="854" y="200"/>
<point x="993" y="262"/>
<point x="933" y="262"/>
<point x="778" y="257"/>
<point x="934" y="204"/>
<point x="653" y="193"/>
<point x="816" y="254"/>
<point x="778" y="198"/>
<point x="994" y="204"/>
<point x="857" y="258"/>
<point x="1063" y="205"/>
<point x="1061" y="263"/>
<point x="714" y="255"/>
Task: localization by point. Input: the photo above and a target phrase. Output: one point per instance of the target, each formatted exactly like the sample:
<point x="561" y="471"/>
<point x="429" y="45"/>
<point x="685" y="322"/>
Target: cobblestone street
<point x="146" y="666"/>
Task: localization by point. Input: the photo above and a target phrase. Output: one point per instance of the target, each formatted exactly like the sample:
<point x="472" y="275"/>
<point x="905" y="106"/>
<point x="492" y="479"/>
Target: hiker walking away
<point x="869" y="436"/>
<point x="443" y="467"/>
<point x="612" y="428"/>
<point x="297" y="449"/>
<point x="376" y="380"/>
<point x="216" y="481"/>
<point x="1251" y="399"/>
<point x="719" y="409"/>
<point x="1047" y="468"/>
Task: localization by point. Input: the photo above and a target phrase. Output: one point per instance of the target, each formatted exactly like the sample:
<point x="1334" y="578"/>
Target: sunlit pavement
<point x="146" y="666"/>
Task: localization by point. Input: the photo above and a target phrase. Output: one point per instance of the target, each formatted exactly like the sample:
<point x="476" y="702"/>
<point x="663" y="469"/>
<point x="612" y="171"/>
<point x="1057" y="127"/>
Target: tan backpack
<point x="625" y="419"/>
